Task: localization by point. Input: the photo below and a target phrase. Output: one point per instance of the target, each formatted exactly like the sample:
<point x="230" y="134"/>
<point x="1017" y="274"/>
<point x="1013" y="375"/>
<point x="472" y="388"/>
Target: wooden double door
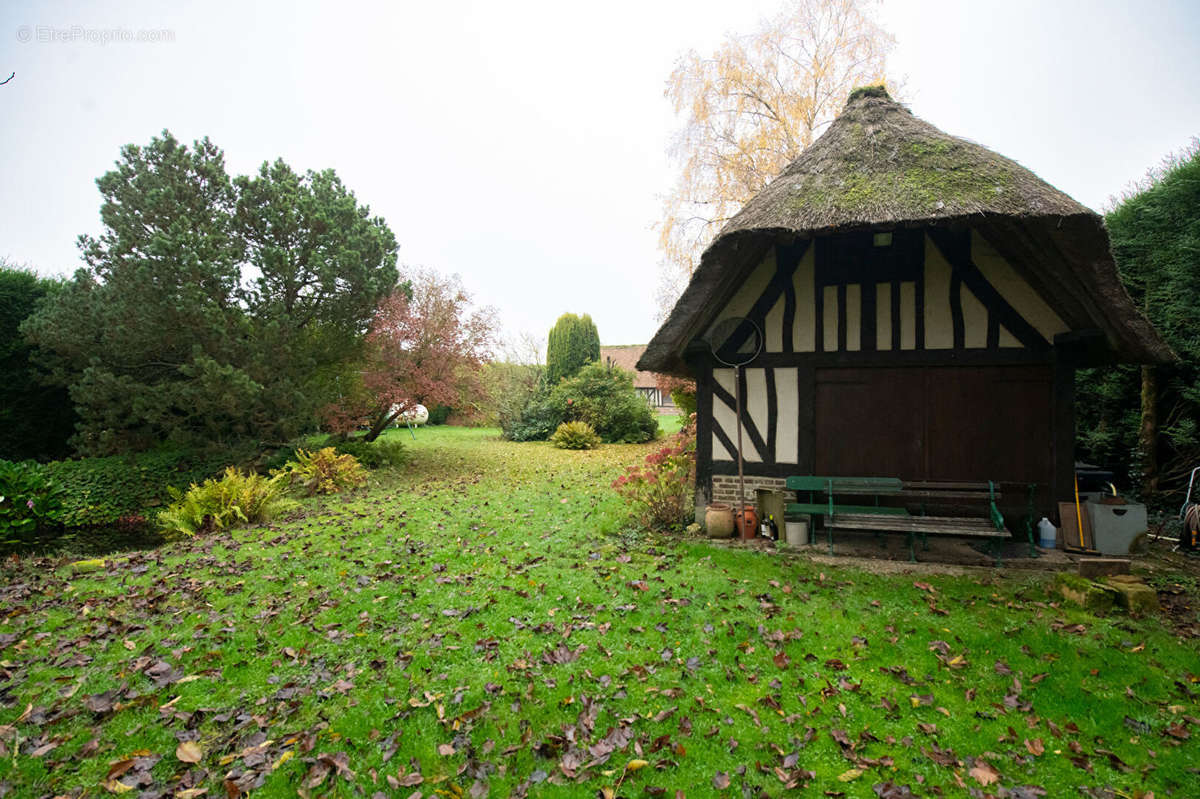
<point x="936" y="423"/>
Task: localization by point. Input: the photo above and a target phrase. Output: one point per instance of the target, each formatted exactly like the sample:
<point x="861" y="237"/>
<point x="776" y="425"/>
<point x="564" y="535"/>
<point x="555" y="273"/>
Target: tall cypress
<point x="573" y="343"/>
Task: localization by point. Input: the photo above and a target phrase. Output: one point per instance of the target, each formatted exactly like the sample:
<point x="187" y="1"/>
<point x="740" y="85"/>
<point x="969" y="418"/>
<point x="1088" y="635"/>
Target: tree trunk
<point x="1148" y="433"/>
<point x="384" y="418"/>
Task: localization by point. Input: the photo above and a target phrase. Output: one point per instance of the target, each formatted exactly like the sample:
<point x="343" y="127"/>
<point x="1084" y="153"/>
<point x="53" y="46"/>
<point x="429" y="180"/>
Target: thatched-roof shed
<point x="924" y="301"/>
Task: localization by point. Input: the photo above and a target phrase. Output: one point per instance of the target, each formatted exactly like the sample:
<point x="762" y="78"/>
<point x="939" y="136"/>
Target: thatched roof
<point x="880" y="167"/>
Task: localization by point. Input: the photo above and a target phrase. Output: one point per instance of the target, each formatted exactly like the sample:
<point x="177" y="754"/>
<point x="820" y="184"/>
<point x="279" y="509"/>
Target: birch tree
<point x="750" y="108"/>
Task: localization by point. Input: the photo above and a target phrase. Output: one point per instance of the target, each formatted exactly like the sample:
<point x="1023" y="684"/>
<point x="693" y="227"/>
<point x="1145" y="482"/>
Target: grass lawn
<point x="670" y="424"/>
<point x="485" y="623"/>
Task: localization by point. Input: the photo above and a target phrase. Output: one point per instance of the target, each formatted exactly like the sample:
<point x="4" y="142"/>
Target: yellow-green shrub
<point x="575" y="435"/>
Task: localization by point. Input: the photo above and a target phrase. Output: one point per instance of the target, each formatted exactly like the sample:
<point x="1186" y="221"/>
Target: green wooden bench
<point x="882" y="505"/>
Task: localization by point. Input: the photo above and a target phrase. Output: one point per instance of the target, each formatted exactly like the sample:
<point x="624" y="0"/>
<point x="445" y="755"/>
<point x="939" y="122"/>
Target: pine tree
<point x="1148" y="419"/>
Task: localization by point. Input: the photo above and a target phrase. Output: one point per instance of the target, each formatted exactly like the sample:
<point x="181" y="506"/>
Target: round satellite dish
<point x="735" y="341"/>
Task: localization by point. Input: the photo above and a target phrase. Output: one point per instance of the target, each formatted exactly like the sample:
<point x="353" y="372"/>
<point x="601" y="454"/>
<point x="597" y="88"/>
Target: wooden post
<point x="737" y="394"/>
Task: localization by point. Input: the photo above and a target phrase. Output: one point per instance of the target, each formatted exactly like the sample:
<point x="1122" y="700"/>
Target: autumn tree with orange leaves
<point x="751" y="108"/>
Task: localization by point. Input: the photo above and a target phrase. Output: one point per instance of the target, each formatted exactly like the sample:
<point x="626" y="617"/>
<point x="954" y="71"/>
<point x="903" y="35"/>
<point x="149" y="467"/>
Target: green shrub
<point x="101" y="490"/>
<point x="30" y="501"/>
<point x="234" y="499"/>
<point x="540" y="417"/>
<point x="388" y="452"/>
<point x="323" y="472"/>
<point x="604" y="397"/>
<point x="438" y="414"/>
<point x="575" y="435"/>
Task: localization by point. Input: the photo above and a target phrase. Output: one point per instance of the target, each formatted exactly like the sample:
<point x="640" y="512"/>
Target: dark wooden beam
<point x="867" y="296"/>
<point x="956" y="249"/>
<point x="748" y="426"/>
<point x="806" y="422"/>
<point x="704" y="422"/>
<point x="965" y="357"/>
<point x="772" y="415"/>
<point x="787" y="258"/>
<point x="956" y="311"/>
<point x="1063" y="431"/>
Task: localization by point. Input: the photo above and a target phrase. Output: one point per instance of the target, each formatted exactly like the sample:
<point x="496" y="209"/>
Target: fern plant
<point x="234" y="499"/>
<point x="325" y="471"/>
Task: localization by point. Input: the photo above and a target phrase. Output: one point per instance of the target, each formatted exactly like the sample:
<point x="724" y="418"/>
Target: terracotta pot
<point x="718" y="520"/>
<point x="747" y="522"/>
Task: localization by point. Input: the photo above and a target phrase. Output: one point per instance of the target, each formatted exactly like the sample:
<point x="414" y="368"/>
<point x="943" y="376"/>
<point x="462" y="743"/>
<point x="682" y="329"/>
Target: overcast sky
<point x="524" y="145"/>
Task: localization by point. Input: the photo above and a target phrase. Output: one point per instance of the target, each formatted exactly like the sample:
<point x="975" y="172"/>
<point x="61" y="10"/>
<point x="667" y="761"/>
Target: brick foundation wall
<point x="725" y="487"/>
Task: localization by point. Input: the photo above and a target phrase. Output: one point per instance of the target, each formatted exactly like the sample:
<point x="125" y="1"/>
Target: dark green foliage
<point x="322" y="264"/>
<point x="603" y="396"/>
<point x="389" y="452"/>
<point x="146" y="335"/>
<point x="102" y="490"/>
<point x="539" y="418"/>
<point x="575" y="435"/>
<point x="30" y="502"/>
<point x="438" y="414"/>
<point x="1156" y="240"/>
<point x="573" y="342"/>
<point x="36" y="417"/>
<point x="164" y="336"/>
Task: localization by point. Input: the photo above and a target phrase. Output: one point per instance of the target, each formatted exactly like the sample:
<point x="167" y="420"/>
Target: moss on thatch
<point x="878" y="166"/>
<point x="874" y="90"/>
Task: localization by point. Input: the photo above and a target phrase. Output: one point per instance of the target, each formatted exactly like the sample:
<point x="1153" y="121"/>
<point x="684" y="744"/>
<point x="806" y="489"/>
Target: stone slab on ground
<point x="1092" y="568"/>
<point x="1095" y="597"/>
<point x="1133" y="594"/>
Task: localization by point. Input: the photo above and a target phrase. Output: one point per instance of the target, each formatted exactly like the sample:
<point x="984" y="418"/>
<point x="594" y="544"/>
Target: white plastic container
<point x="796" y="533"/>
<point x="1047" y="534"/>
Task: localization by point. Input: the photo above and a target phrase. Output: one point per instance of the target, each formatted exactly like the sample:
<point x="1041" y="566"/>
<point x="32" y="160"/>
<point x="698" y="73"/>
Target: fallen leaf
<point x="189" y="752"/>
<point x="983" y="773"/>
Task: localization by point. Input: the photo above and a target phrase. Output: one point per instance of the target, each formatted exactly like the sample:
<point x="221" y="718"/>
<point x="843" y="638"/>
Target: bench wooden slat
<point x="925" y="494"/>
<point x="929" y="525"/>
<point x="846" y="484"/>
<point x="838" y="510"/>
<point x="941" y="485"/>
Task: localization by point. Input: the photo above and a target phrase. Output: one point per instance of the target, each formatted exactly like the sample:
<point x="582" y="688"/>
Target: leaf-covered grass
<point x="484" y="620"/>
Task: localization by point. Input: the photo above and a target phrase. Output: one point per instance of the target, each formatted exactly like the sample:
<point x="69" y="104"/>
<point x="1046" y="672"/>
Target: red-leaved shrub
<point x="660" y="488"/>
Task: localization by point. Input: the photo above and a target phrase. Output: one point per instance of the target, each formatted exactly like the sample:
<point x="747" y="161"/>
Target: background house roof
<point x="880" y="167"/>
<point x="626" y="356"/>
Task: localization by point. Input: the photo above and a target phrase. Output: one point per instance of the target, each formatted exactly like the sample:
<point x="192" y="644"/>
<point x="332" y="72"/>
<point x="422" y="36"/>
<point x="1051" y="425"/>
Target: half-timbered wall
<point x="917" y="297"/>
